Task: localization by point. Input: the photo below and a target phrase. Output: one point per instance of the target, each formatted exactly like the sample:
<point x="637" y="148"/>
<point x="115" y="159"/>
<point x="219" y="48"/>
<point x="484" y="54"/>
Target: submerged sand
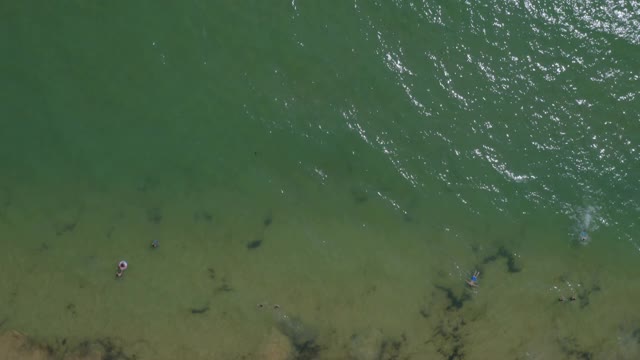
<point x="322" y="283"/>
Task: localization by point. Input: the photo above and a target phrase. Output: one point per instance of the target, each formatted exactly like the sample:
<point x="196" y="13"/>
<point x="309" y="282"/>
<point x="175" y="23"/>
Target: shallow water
<point x="348" y="163"/>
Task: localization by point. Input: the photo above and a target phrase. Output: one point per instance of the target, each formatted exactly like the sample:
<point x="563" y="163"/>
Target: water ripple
<point x="522" y="102"/>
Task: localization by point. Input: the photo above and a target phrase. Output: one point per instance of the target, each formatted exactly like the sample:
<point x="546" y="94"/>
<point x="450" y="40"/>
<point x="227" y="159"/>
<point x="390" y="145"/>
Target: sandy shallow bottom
<point x="285" y="282"/>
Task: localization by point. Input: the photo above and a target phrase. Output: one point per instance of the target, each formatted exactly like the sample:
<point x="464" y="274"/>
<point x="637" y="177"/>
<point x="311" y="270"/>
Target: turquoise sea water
<point x="322" y="177"/>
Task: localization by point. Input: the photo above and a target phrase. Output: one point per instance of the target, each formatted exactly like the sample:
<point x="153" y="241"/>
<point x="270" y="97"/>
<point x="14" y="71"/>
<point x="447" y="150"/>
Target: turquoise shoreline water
<point x="349" y="163"/>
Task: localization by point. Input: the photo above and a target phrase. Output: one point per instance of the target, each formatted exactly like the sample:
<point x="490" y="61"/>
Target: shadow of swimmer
<point x="302" y="336"/>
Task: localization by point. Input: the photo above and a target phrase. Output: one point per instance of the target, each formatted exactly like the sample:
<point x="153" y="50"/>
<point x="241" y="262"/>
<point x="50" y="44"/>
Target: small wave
<point x="617" y="18"/>
<point x="586" y="220"/>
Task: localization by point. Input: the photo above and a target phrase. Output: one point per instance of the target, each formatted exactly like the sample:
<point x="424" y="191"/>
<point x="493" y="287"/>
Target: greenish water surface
<point x="322" y="178"/>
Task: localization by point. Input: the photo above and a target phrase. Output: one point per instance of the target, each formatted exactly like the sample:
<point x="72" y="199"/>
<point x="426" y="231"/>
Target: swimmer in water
<point x="584" y="237"/>
<point x="564" y="299"/>
<point x="122" y="266"/>
<point x="473" y="282"/>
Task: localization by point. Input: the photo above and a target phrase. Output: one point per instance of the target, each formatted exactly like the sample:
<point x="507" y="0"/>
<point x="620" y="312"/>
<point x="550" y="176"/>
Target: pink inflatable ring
<point x="122" y="265"/>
